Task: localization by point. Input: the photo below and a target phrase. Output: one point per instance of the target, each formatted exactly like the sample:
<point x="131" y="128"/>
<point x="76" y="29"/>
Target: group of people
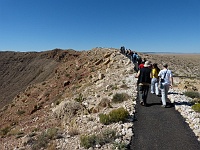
<point x="158" y="81"/>
<point x="150" y="77"/>
<point x="133" y="56"/>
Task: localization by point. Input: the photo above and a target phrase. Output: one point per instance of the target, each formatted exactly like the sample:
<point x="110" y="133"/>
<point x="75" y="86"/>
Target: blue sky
<point x="141" y="25"/>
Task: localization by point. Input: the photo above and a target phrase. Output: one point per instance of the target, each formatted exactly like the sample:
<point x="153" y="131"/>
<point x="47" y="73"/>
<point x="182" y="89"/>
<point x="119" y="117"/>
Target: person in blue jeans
<point x="166" y="81"/>
<point x="144" y="76"/>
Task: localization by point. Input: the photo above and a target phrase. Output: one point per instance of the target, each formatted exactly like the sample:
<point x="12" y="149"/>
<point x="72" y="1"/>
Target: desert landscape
<point x="57" y="96"/>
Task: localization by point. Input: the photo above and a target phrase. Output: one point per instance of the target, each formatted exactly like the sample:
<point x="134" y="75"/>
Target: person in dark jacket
<point x="144" y="76"/>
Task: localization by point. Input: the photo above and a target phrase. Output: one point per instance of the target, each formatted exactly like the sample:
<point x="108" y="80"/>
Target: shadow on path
<point x="157" y="128"/>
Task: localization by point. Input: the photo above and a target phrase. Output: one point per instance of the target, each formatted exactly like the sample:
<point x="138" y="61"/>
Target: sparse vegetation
<point x="192" y="94"/>
<point x="73" y="129"/>
<point x="80" y="98"/>
<point x="44" y="138"/>
<point x="4" y="131"/>
<point x="196" y="107"/>
<point x="120" y="97"/>
<point x="106" y="136"/>
<point x="119" y="146"/>
<point x="20" y="112"/>
<point x="115" y="115"/>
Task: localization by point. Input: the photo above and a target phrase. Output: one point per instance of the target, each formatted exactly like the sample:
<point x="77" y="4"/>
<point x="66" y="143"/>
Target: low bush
<point x="105" y="119"/>
<point x="115" y="115"/>
<point x="192" y="94"/>
<point x="119" y="114"/>
<point x="80" y="98"/>
<point x="106" y="136"/>
<point x="44" y="138"/>
<point x="5" y="130"/>
<point x="120" y="97"/>
<point x="196" y="107"/>
<point x="120" y="146"/>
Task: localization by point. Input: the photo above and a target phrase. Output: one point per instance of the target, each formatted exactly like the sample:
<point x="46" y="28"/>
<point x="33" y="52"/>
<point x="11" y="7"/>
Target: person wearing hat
<point x="144" y="76"/>
<point x="166" y="81"/>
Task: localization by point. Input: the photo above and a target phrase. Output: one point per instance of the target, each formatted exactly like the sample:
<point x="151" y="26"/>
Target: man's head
<point x="165" y="65"/>
<point x="147" y="64"/>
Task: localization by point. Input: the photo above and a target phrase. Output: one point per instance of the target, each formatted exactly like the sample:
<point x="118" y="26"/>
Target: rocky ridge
<point x="113" y="74"/>
<point x="92" y="78"/>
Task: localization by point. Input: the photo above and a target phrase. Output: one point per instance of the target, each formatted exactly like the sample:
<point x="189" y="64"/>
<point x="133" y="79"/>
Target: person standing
<point x="144" y="80"/>
<point x="166" y="81"/>
<point x="155" y="79"/>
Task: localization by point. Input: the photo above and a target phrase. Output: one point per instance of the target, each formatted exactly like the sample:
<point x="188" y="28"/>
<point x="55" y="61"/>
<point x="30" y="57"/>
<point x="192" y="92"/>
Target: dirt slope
<point x="19" y="70"/>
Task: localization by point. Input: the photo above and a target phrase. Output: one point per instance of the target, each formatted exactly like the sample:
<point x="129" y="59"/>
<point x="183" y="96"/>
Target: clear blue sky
<point x="142" y="25"/>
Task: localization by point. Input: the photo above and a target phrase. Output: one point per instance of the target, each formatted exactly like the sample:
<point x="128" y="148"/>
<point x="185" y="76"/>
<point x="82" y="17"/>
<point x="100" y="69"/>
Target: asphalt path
<point x="158" y="128"/>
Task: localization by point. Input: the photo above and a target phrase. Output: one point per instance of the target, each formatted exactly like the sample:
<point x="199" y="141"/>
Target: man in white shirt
<point x="166" y="79"/>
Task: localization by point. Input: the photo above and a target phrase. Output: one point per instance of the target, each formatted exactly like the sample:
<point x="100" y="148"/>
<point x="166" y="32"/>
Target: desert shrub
<point x="87" y="141"/>
<point x="73" y="128"/>
<point x="51" y="133"/>
<point x="120" y="146"/>
<point x="106" y="136"/>
<point x="20" y="112"/>
<point x="80" y="98"/>
<point x="119" y="114"/>
<point x="196" y="107"/>
<point x="41" y="142"/>
<point x="5" y="130"/>
<point x="44" y="138"/>
<point x="105" y="119"/>
<point x="73" y="131"/>
<point x="115" y="115"/>
<point x="192" y="94"/>
<point x="120" y="97"/>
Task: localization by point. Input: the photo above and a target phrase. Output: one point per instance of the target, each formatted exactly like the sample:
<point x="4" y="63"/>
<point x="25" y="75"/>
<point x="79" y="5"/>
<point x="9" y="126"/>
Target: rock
<point x="101" y="76"/>
<point x="66" y="83"/>
<point x="107" y="55"/>
<point x="26" y="140"/>
<point x="98" y="62"/>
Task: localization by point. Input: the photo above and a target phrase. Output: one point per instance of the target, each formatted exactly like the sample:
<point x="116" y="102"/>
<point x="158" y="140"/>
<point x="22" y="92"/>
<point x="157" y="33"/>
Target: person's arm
<point x="137" y="75"/>
<point x="151" y="75"/>
<point x="171" y="81"/>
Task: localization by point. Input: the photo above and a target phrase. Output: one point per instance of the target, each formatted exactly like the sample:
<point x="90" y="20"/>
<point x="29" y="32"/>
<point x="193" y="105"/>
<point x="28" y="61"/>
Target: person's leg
<point x="166" y="91"/>
<point x="141" y="94"/>
<point x="156" y="87"/>
<point x="163" y="91"/>
<point x="153" y="85"/>
<point x="146" y="90"/>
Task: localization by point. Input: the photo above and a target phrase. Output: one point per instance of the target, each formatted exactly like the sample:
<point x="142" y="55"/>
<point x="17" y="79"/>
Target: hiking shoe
<point x="142" y="103"/>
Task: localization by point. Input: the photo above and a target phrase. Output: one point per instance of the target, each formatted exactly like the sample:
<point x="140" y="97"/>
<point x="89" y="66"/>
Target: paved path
<point x="158" y="128"/>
